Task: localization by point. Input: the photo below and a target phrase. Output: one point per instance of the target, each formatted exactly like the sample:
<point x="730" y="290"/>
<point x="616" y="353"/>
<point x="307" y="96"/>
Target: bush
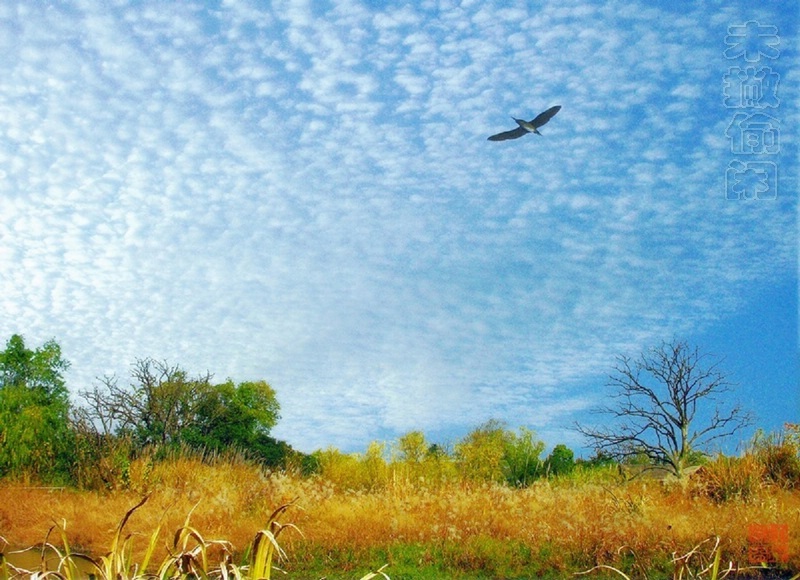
<point x="100" y="462"/>
<point x="730" y="478"/>
<point x="779" y="454"/>
<point x="352" y="471"/>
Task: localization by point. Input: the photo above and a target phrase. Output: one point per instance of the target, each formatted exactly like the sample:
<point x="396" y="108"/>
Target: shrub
<point x="730" y="478"/>
<point x="101" y="462"/>
<point x="779" y="454"/>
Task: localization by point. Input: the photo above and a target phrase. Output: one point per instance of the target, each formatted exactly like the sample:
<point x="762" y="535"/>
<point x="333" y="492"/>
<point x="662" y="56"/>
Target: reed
<point x="695" y="565"/>
<point x="188" y="556"/>
<point x="443" y="527"/>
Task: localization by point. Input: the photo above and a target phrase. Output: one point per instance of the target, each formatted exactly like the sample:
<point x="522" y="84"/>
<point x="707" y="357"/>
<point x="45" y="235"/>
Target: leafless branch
<point x="658" y="397"/>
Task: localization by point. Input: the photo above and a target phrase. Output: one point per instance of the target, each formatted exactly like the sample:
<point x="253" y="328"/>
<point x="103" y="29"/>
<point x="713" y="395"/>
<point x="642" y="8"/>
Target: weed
<point x="779" y="453"/>
<point x="188" y="555"/>
<point x="423" y="526"/>
<point x="693" y="565"/>
<point x="731" y="479"/>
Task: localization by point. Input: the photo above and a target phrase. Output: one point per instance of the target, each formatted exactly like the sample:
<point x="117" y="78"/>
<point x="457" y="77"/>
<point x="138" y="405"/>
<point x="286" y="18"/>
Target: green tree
<point x="35" y="438"/>
<point x="481" y="453"/>
<point x="41" y="370"/>
<point x="241" y="416"/>
<point x="159" y="405"/>
<point x="412" y="447"/>
<point x="521" y="458"/>
<point x="561" y="460"/>
<point x="166" y="407"/>
<point x="598" y="460"/>
<point x="493" y="453"/>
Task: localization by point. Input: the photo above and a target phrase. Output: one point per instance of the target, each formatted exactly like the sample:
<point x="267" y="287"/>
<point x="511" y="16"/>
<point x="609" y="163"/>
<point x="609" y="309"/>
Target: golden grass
<point x="567" y="526"/>
<point x="593" y="521"/>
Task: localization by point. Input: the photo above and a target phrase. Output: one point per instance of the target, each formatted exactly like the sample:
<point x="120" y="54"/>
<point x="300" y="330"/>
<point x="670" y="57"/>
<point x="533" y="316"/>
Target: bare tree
<point x="658" y="399"/>
<point x="160" y="402"/>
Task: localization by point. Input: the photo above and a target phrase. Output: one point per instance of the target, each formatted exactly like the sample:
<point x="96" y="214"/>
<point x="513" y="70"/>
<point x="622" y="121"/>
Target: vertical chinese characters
<point x="751" y="87"/>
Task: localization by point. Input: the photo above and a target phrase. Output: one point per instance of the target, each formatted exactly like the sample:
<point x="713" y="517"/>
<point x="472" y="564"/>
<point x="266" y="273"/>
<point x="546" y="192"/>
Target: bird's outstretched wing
<point x="543" y="118"/>
<point x="513" y="134"/>
<point x="540" y="120"/>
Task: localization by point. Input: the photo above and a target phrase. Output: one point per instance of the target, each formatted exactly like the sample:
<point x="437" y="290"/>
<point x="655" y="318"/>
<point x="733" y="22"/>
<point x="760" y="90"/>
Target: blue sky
<point x="303" y="192"/>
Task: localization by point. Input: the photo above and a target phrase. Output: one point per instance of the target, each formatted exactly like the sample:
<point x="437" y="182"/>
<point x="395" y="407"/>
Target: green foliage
<point x="412" y="447"/>
<point x="40" y="370"/>
<point x="636" y="455"/>
<point x="561" y="461"/>
<point x="599" y="459"/>
<point x="419" y="462"/>
<point x="35" y="439"/>
<point x="341" y="469"/>
<point x="160" y="404"/>
<point x="493" y="453"/>
<point x="168" y="399"/>
<point x="521" y="457"/>
<point x="480" y="455"/>
<point x="166" y="408"/>
<point x="355" y="471"/>
<point x="370" y="471"/>
<point x="239" y="416"/>
<point x="34" y="436"/>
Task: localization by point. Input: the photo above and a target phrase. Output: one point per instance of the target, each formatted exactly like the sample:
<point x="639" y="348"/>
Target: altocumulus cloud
<point x="304" y="194"/>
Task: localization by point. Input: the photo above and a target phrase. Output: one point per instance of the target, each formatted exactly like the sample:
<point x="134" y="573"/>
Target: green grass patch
<point x="469" y="559"/>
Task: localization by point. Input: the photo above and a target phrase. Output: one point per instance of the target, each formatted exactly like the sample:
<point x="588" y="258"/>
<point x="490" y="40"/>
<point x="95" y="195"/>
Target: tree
<point x="160" y="404"/>
<point x="661" y="398"/>
<point x="164" y="406"/>
<point x="424" y="463"/>
<point x="521" y="458"/>
<point x="412" y="447"/>
<point x="241" y="416"/>
<point x="35" y="439"/>
<point x="41" y="370"/>
<point x="493" y="453"/>
<point x="561" y="460"/>
<point x="480" y="454"/>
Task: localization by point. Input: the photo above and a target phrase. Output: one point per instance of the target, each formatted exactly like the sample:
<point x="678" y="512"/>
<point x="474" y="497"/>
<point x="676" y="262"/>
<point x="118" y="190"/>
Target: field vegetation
<point x="427" y="519"/>
<point x="176" y="476"/>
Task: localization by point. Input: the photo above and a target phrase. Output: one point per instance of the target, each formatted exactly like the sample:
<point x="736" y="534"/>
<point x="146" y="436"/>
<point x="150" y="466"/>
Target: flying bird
<point x="526" y="127"/>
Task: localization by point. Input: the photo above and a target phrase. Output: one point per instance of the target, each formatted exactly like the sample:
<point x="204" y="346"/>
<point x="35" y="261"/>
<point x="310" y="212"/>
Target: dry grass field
<point x="451" y="529"/>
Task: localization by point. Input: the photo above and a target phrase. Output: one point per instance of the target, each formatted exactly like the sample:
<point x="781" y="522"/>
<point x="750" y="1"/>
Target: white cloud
<point x="310" y="199"/>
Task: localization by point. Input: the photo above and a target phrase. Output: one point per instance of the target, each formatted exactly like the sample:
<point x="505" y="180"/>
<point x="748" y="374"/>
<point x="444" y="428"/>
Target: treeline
<point x="163" y="411"/>
<point x="45" y="437"/>
<point x="489" y="453"/>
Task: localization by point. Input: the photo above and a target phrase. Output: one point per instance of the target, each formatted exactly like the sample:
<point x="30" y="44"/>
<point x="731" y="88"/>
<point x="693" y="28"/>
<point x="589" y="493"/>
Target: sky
<point x="303" y="192"/>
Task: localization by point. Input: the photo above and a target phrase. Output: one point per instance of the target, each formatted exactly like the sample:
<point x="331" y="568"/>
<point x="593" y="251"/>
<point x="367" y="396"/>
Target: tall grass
<point x="189" y="556"/>
<point x="486" y="529"/>
<point x="779" y="454"/>
<point x="409" y="515"/>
